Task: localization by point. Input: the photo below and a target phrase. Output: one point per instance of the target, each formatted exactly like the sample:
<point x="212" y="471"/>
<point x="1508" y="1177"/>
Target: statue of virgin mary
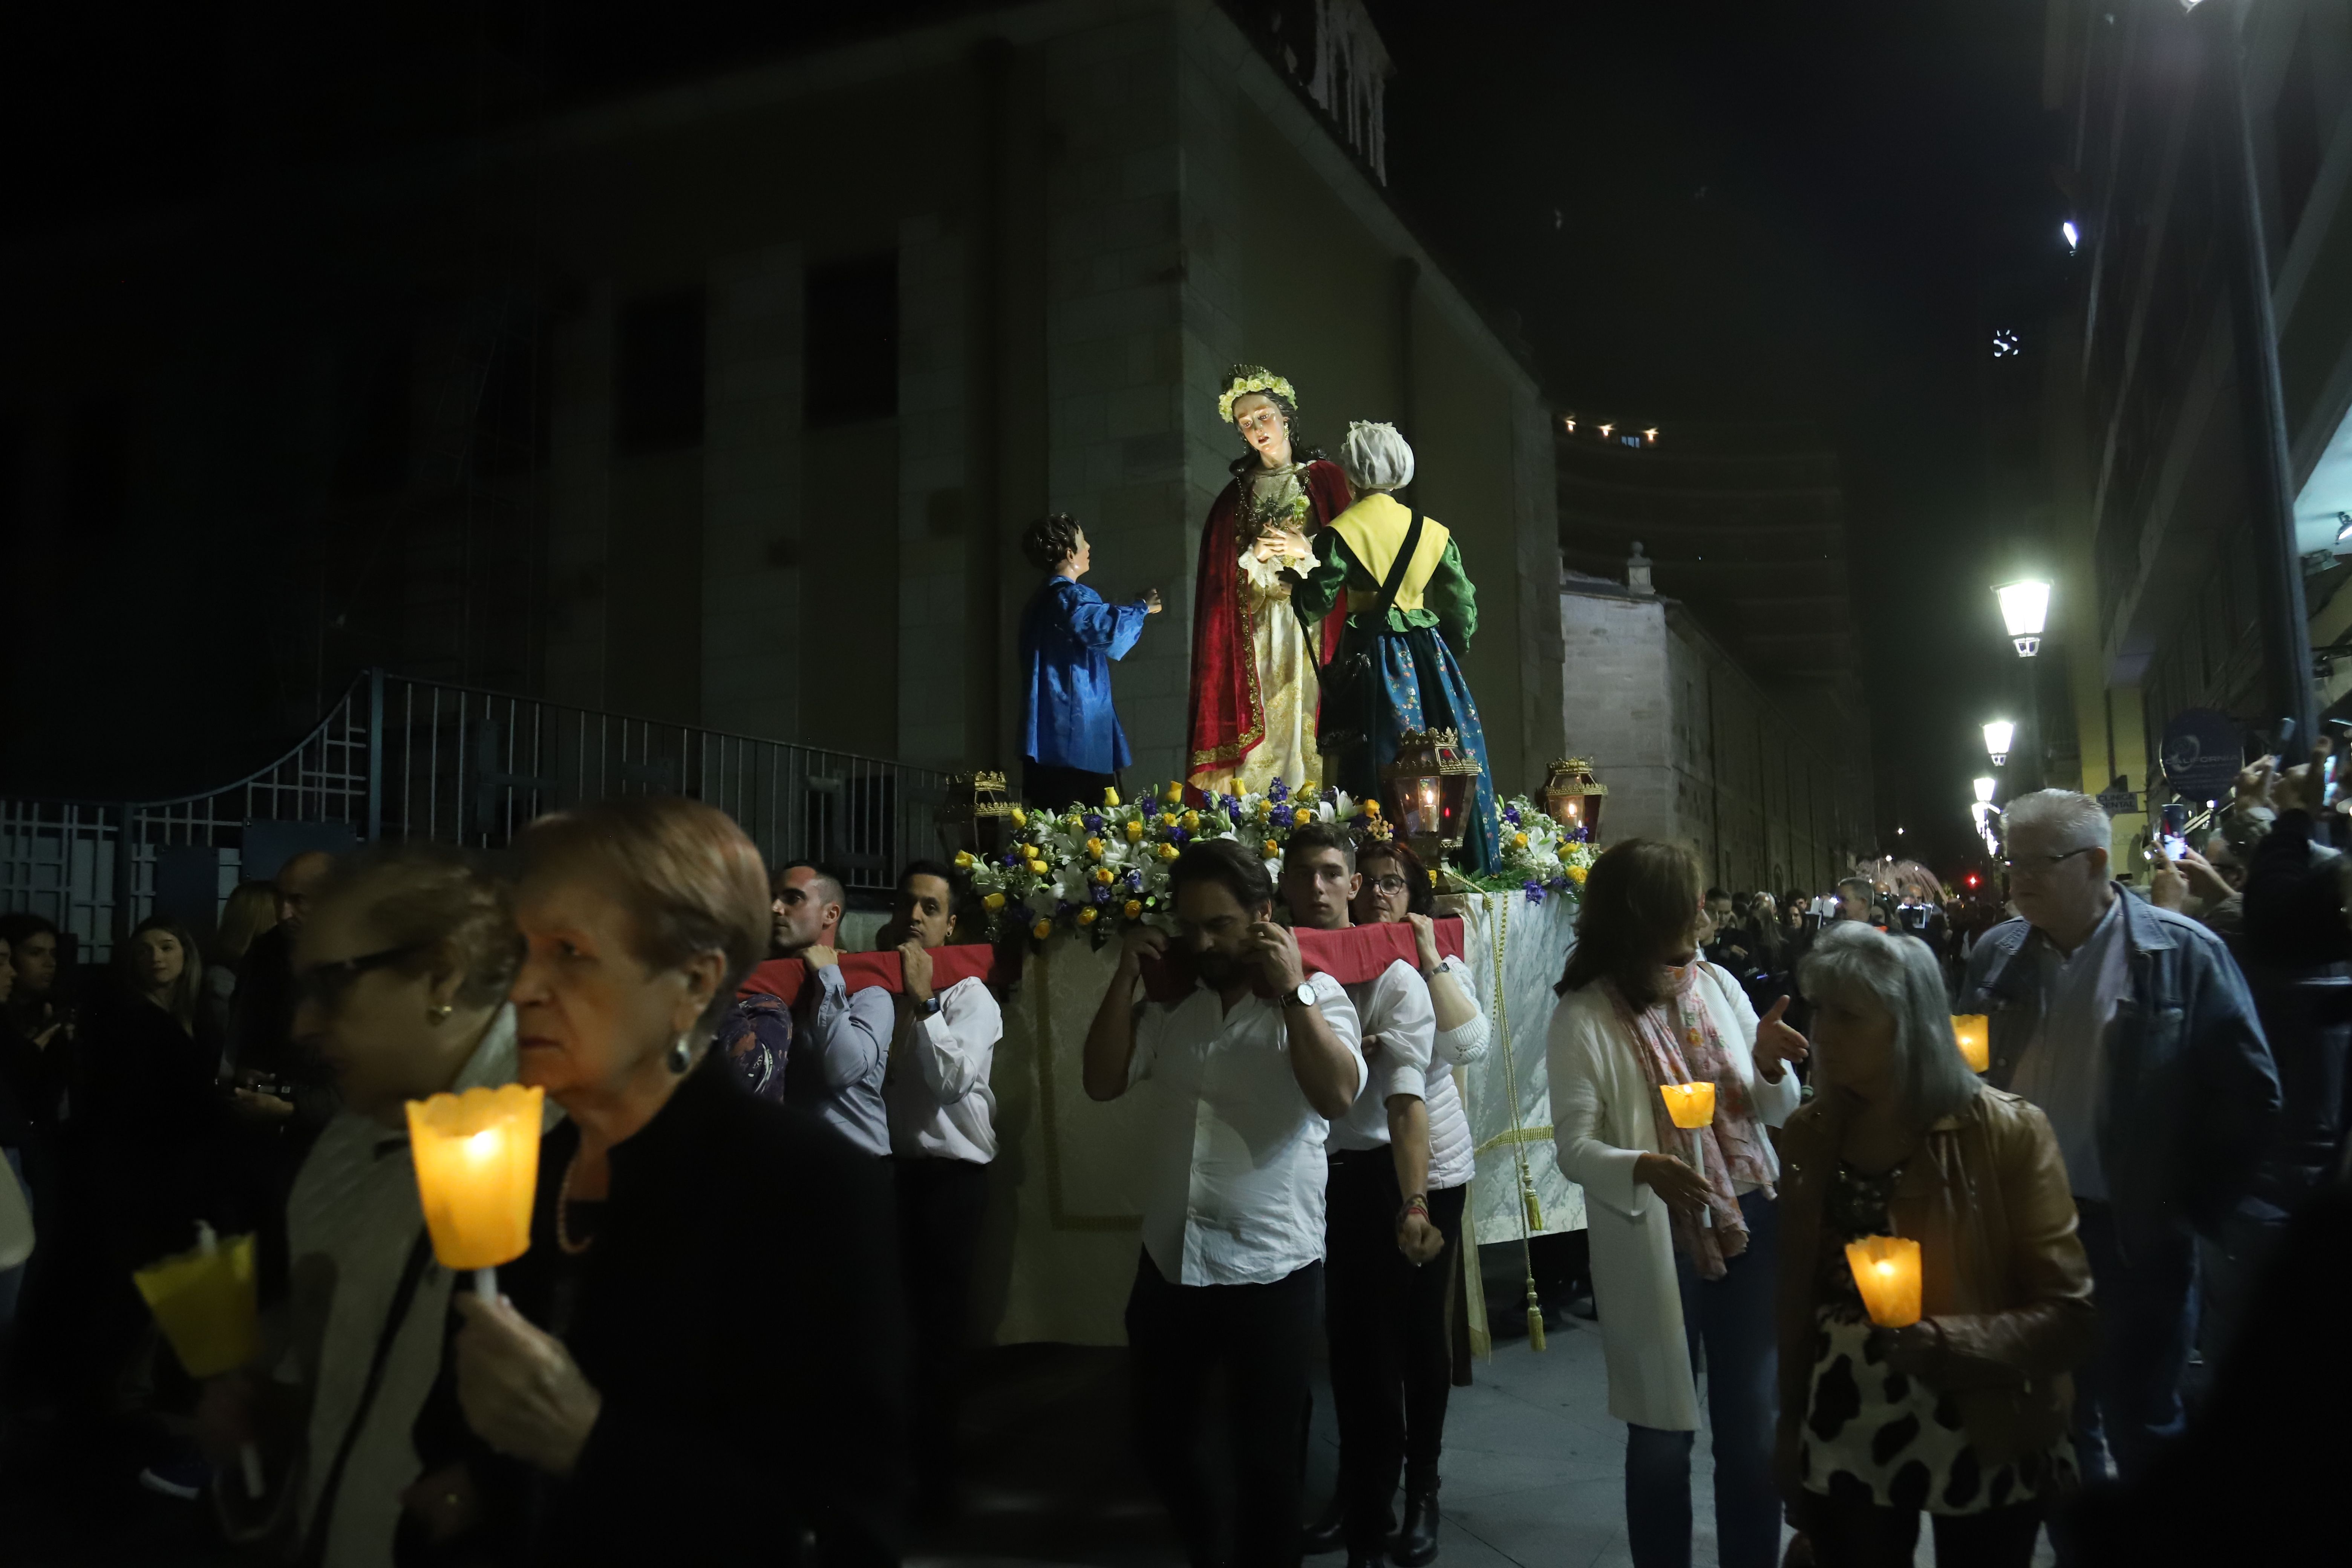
<point x="1255" y="686"/>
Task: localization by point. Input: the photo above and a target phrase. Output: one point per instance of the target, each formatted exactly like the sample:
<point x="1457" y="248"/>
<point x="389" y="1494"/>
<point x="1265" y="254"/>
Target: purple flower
<point x="1277" y="792"/>
<point x="1012" y="859"/>
<point x="1534" y="890"/>
<point x="1102" y="893"/>
<point x="1511" y="814"/>
<point x="1175" y="834"/>
<point x="1213" y="797"/>
<point x="1150" y="807"/>
<point x="1234" y="806"/>
<point x="1094" y="823"/>
<point x="1135" y="879"/>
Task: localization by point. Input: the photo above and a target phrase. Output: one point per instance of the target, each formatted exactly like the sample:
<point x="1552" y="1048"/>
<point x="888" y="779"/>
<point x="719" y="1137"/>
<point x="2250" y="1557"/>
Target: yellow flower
<point x="1192" y="822"/>
<point x="1020" y="817"/>
<point x="1134" y="829"/>
<point x="1086" y="916"/>
<point x="1576" y="875"/>
<point x="1102" y="875"/>
<point x="1133" y="908"/>
<point x="1173" y="792"/>
<point x="1168" y="851"/>
<point x="1094" y="849"/>
<point x="1310" y="789"/>
<point x="963" y="859"/>
<point x="1302" y="815"/>
<point x="993" y="901"/>
<point x="1520" y="839"/>
<point x="1372" y="808"/>
<point x="1037" y="868"/>
<point x="1041" y="929"/>
<point x="1272" y="848"/>
<point x="1111" y="798"/>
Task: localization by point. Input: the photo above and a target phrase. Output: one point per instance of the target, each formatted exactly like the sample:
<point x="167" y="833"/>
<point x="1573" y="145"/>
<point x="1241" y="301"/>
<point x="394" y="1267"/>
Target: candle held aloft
<point x="1689" y="1105"/>
<point x="1974" y="1032"/>
<point x="1887" y="1272"/>
<point x="476" y="1157"/>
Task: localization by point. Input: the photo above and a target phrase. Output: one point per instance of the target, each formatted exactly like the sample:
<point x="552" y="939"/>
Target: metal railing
<point x="397" y="759"/>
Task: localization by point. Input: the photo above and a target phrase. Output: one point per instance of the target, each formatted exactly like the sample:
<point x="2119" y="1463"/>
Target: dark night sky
<point x="1697" y="212"/>
<point x="1771" y="212"/>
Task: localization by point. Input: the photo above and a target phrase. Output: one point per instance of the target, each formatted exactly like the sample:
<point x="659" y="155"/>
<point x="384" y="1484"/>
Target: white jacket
<point x="1453" y="1158"/>
<point x="1601" y="1123"/>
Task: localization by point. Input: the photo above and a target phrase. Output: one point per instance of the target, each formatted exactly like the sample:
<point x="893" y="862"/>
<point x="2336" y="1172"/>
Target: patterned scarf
<point x="1676" y="1042"/>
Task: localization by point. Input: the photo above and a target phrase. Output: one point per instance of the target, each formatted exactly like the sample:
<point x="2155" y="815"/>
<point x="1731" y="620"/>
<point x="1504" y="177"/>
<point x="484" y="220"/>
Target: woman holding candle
<point x="677" y="1213"/>
<point x="1682" y="1222"/>
<point x="400" y="975"/>
<point x="1963" y="1411"/>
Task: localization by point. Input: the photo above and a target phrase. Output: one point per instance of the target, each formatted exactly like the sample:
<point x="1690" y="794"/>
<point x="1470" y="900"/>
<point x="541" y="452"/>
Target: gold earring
<point x="439" y="1015"/>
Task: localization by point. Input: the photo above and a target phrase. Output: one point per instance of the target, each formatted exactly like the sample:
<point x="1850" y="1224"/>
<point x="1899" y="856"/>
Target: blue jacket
<point x="1068" y="638"/>
<point x="2191" y="1091"/>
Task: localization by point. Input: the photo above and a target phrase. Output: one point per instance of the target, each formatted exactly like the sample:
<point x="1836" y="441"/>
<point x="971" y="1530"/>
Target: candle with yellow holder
<point x="203" y="1300"/>
<point x="1887" y="1272"/>
<point x="1691" y="1106"/>
<point x="476" y="1157"/>
<point x="1974" y="1033"/>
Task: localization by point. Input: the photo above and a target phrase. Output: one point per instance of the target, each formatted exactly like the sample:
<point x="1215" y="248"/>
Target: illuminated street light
<point x="1997" y="735"/>
<point x="1984" y="792"/>
<point x="2073" y="235"/>
<point x="2024" y="606"/>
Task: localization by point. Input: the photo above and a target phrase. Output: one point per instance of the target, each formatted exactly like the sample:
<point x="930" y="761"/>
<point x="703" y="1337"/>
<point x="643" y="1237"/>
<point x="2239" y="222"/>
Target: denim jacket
<point x="2190" y="1090"/>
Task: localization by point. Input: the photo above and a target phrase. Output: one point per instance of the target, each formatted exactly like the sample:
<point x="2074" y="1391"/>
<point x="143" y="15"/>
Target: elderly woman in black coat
<point x="698" y="1361"/>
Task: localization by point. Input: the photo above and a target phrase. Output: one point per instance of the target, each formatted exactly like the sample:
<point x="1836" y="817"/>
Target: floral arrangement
<point x="1102" y="868"/>
<point x="1539" y="857"/>
<point x="1245" y="379"/>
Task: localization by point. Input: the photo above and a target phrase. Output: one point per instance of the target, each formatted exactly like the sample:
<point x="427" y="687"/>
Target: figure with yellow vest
<point x="1411" y="614"/>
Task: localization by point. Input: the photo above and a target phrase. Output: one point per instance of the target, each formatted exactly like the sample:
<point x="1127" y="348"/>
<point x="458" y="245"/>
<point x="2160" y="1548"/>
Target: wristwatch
<point x="1303" y="995"/>
<point x="929" y="1008"/>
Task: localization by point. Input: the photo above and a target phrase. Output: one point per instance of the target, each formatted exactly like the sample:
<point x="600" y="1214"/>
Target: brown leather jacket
<point x="2003" y="1276"/>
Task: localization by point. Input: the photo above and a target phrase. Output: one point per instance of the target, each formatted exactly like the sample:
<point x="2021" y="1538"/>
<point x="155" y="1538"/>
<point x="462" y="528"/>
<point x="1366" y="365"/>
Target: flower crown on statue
<point x="1245" y="379"/>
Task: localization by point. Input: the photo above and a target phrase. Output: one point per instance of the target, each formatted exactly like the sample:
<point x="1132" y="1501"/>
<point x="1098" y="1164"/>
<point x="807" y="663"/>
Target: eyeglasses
<point x="2041" y="865"/>
<point x="1391" y="884"/>
<point x="325" y="983"/>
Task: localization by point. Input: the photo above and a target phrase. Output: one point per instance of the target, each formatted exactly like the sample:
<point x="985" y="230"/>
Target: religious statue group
<point x="1329" y="618"/>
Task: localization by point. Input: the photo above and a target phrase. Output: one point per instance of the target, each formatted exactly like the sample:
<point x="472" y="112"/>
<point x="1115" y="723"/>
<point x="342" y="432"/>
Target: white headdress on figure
<point x="1376" y="457"/>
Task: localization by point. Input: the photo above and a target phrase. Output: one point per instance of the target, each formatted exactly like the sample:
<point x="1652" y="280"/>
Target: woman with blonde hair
<point x="1683" y="1222"/>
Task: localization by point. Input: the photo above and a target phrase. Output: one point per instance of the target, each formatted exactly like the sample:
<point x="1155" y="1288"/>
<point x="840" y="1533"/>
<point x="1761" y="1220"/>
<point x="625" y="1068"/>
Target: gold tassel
<point x="1535" y="1317"/>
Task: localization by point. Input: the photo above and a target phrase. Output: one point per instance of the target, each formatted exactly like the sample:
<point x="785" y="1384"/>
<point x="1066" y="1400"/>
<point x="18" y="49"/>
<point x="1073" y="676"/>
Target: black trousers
<point x="1429" y="1343"/>
<point x="1391" y="1367"/>
<point x="1058" y="789"/>
<point x="941" y="1203"/>
<point x="1262" y="1337"/>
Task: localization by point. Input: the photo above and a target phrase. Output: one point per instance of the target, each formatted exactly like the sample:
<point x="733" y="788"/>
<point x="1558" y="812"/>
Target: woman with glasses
<point x="698" y="1360"/>
<point x="399" y="977"/>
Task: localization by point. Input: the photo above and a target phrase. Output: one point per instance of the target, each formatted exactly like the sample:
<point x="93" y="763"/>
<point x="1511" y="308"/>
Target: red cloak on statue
<point x="1228" y="720"/>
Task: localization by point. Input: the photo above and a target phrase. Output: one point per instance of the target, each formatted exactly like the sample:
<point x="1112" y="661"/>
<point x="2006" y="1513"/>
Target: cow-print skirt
<point x="1872" y="1435"/>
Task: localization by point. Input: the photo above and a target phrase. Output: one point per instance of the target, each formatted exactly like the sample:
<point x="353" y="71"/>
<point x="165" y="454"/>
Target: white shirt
<point x="1453" y="1157"/>
<point x="2063" y="1068"/>
<point x="937" y="1083"/>
<point x="1233" y="1166"/>
<point x="1395" y="1005"/>
<point x="836" y="1061"/>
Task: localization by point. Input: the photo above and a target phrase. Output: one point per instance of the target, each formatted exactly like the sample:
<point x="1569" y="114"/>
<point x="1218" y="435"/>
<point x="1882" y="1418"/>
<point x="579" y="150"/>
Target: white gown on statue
<point x="1284" y="651"/>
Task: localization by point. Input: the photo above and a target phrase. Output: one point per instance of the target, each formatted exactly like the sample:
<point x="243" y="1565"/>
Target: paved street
<point x="1533" y="1467"/>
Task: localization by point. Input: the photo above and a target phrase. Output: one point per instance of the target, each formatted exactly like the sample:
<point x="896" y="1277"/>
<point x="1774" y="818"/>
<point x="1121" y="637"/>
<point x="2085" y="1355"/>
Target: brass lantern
<point x="1430" y="788"/>
<point x="1573" y="796"/>
<point x="976" y="815"/>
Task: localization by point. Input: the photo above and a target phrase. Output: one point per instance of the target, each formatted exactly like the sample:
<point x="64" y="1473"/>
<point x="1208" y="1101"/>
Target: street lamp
<point x="1984" y="792"/>
<point x="2024" y="606"/>
<point x="1997" y="735"/>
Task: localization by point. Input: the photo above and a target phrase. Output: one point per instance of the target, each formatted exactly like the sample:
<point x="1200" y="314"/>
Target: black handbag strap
<point x="420" y="1253"/>
<point x="1389" y="589"/>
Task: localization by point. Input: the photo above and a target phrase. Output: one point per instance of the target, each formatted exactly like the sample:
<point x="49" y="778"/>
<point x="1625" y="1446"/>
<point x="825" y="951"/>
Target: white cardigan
<point x="1601" y="1123"/>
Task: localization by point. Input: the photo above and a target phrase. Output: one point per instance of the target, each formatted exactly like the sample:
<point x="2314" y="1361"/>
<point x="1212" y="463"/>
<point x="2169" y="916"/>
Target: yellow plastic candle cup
<point x="1974" y="1032"/>
<point x="1690" y="1105"/>
<point x="203" y="1300"/>
<point x="1887" y="1272"/>
<point x="477" y="1158"/>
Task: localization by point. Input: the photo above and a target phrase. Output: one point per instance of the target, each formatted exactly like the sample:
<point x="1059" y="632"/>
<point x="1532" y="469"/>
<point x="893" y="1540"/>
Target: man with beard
<point x="842" y="1038"/>
<point x="1241" y="1070"/>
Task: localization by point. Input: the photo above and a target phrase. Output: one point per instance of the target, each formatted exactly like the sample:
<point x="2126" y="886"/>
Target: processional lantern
<point x="976" y="817"/>
<point x="1573" y="796"/>
<point x="1429" y="788"/>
